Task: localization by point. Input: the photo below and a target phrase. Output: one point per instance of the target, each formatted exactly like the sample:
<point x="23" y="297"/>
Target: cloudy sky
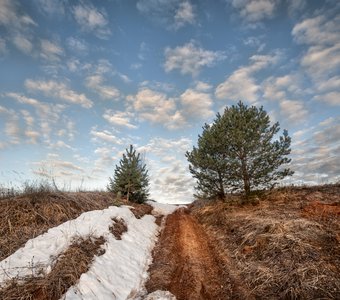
<point x="81" y="80"/>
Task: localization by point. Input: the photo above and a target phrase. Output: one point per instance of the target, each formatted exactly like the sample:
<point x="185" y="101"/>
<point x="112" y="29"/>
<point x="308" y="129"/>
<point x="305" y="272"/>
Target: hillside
<point x="283" y="245"/>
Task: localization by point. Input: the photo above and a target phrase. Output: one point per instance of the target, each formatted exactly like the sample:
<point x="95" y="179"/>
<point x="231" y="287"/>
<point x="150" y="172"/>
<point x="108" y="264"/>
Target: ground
<point x="283" y="245"/>
<point x="187" y="265"/>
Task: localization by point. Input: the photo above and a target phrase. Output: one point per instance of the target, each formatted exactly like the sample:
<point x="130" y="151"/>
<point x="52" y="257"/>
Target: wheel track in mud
<point x="186" y="263"/>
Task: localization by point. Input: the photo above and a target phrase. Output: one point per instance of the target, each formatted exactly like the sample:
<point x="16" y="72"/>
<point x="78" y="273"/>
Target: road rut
<point x="186" y="264"/>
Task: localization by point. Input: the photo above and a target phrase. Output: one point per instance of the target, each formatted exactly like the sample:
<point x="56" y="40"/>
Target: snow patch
<point x="122" y="269"/>
<point x="160" y="295"/>
<point x="118" y="273"/>
<point x="163" y="209"/>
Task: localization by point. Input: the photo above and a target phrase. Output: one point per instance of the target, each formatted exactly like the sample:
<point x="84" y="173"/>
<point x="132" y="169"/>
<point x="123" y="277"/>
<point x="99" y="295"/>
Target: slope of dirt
<point x="285" y="247"/>
<point x="186" y="264"/>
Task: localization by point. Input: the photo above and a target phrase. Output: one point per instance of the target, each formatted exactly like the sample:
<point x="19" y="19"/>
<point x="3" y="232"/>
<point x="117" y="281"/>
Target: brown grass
<point x="286" y="247"/>
<point x="118" y="228"/>
<point x="29" y="215"/>
<point x="140" y="210"/>
<point x="65" y="273"/>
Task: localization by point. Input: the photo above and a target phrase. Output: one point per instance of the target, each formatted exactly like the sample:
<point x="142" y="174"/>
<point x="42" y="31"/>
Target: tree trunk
<point x="128" y="192"/>
<point x="221" y="193"/>
<point x="245" y="176"/>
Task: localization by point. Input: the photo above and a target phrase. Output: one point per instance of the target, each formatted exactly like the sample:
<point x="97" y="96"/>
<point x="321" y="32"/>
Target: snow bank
<point x="121" y="271"/>
<point x="160" y="295"/>
<point x="163" y="209"/>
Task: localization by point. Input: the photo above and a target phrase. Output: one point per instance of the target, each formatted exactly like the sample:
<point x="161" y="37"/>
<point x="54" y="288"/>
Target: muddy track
<point x="186" y="264"/>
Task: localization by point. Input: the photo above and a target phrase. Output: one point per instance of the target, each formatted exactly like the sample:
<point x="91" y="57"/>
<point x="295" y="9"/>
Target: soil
<point x="186" y="263"/>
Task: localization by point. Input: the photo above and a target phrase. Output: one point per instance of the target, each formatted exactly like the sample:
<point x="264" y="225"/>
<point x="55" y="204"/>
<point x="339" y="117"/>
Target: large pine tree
<point x="237" y="153"/>
<point x="130" y="177"/>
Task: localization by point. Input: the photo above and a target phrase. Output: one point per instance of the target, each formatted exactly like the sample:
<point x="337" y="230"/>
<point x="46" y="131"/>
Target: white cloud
<point x="105" y="136"/>
<point x="157" y="85"/>
<point x="55" y="168"/>
<point x="321" y="33"/>
<point x="77" y="45"/>
<point x="170" y="178"/>
<point x="51" y="7"/>
<point x="184" y="14"/>
<point x="119" y="118"/>
<point x="190" y="59"/>
<point x="23" y="44"/>
<point x="320" y="60"/>
<point x="106" y="157"/>
<point x="240" y="85"/>
<point x="329" y="84"/>
<point x="4" y="110"/>
<point x="95" y="82"/>
<point x="317" y="30"/>
<point x="32" y="135"/>
<point x="48" y="117"/>
<point x="50" y="51"/>
<point x="59" y="145"/>
<point x="12" y="17"/>
<point x="203" y="86"/>
<point x="296" y="6"/>
<point x="58" y="90"/>
<point x="28" y="118"/>
<point x="164" y="147"/>
<point x="12" y="129"/>
<point x="92" y="20"/>
<point x="255" y="10"/>
<point x="173" y="14"/>
<point x="196" y="104"/>
<point x="294" y="111"/>
<point x="331" y="98"/>
<point x="18" y="26"/>
<point x="318" y="155"/>
<point x="255" y="41"/>
<point x="156" y="107"/>
<point x="276" y="88"/>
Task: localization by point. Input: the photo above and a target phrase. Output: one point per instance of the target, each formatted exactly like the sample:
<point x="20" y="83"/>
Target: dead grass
<point x="286" y="247"/>
<point x="66" y="272"/>
<point x="118" y="228"/>
<point x="140" y="210"/>
<point x="31" y="214"/>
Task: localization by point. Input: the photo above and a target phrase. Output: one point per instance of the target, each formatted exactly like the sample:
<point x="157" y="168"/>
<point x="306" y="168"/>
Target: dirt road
<point x="186" y="264"/>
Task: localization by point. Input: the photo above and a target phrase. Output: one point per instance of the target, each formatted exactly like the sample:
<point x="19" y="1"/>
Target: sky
<point x="82" y="80"/>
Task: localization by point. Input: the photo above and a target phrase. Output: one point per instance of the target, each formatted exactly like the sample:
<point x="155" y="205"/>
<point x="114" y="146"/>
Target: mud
<point x="186" y="264"/>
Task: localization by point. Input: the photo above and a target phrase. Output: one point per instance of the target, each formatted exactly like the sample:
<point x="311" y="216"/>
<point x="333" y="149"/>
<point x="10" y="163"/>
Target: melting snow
<point x="118" y="274"/>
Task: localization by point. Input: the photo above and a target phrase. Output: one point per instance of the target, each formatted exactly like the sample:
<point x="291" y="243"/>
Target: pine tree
<point x="237" y="153"/>
<point x="130" y="177"/>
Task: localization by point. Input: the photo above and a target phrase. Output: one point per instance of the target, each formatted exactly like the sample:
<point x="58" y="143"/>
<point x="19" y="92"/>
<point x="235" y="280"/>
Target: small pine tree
<point x="236" y="152"/>
<point x="130" y="177"/>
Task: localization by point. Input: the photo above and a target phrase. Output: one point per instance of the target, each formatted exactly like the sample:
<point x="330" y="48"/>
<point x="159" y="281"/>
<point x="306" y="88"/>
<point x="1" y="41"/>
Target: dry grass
<point x="118" y="228"/>
<point x="28" y="215"/>
<point x="66" y="272"/>
<point x="140" y="210"/>
<point x="286" y="247"/>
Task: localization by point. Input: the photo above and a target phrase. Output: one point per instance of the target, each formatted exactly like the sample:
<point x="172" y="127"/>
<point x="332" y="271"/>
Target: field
<point x="284" y="244"/>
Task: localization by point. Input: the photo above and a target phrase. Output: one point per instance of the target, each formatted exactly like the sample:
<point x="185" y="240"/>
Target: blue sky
<point x="81" y="80"/>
